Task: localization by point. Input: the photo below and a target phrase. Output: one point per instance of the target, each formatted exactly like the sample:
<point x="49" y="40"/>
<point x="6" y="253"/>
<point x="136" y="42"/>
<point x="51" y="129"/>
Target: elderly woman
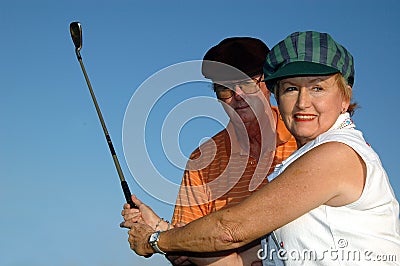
<point x="330" y="202"/>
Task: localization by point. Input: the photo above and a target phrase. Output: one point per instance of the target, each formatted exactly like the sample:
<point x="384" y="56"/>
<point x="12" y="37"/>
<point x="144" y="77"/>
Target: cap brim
<point x="301" y="69"/>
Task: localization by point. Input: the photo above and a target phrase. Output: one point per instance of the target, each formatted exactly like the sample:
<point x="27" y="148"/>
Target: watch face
<point x="153" y="242"/>
<point x="153" y="237"/>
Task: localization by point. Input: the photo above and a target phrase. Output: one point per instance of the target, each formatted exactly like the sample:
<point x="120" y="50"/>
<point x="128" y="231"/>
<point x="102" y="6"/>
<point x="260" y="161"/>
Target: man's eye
<point x="221" y="88"/>
<point x="289" y="89"/>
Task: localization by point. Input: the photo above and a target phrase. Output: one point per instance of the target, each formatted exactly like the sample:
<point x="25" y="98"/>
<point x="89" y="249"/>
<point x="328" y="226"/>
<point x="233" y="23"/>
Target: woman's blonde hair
<point x="346" y="91"/>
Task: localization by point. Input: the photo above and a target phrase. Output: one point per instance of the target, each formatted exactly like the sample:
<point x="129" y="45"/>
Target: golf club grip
<point x="128" y="194"/>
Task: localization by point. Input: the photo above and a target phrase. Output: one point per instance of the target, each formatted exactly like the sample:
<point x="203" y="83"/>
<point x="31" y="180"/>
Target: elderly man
<point x="235" y="162"/>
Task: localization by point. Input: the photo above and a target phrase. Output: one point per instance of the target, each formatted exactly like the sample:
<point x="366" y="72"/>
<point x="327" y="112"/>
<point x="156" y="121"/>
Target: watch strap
<point x="153" y="241"/>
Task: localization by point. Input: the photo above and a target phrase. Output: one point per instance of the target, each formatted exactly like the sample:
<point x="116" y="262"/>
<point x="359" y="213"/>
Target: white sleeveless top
<point x="364" y="232"/>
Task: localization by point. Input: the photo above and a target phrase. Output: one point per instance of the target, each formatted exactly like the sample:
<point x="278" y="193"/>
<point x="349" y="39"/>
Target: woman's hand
<point x="139" y="235"/>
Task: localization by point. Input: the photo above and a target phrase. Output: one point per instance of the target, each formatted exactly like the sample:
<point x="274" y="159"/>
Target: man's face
<point x="248" y="100"/>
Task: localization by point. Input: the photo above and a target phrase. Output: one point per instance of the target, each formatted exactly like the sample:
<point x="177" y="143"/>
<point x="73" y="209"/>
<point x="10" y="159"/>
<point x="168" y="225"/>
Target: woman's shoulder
<point x="351" y="137"/>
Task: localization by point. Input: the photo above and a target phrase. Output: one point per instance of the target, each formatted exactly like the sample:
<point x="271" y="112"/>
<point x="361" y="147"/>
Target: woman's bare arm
<point x="331" y="174"/>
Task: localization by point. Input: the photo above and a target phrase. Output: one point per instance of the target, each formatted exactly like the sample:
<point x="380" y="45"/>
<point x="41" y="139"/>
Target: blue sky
<point x="60" y="198"/>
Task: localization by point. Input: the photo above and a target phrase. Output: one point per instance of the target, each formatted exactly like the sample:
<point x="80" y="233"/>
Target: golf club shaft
<point x="124" y="184"/>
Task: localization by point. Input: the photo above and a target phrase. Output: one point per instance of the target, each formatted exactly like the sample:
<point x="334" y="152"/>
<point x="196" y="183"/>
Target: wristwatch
<point x="153" y="240"/>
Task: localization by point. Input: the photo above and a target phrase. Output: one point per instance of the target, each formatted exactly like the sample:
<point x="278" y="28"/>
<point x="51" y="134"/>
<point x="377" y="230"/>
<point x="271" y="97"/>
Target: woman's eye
<point x="317" y="89"/>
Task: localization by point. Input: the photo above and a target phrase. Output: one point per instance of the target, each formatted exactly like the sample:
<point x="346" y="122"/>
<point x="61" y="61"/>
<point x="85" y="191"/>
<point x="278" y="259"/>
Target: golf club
<point x="76" y="35"/>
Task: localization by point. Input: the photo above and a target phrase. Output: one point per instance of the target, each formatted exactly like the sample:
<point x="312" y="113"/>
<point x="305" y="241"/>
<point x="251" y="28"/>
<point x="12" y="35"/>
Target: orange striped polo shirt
<point x="219" y="174"/>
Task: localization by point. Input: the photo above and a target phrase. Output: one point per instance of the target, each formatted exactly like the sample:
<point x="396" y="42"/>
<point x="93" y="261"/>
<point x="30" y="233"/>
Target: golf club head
<point x="76" y="34"/>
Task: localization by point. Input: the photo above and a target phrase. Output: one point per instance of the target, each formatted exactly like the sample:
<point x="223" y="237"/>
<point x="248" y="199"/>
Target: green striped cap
<point x="308" y="53"/>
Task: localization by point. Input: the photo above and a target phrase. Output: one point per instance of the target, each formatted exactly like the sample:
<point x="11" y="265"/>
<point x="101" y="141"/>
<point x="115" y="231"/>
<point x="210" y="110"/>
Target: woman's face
<point x="310" y="105"/>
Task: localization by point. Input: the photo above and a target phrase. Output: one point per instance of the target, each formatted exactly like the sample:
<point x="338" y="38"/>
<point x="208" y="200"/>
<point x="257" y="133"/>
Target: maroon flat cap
<point x="243" y="53"/>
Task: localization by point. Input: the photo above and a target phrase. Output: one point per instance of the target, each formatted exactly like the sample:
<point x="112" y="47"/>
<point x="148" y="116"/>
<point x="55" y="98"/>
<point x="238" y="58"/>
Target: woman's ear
<point x="346" y="101"/>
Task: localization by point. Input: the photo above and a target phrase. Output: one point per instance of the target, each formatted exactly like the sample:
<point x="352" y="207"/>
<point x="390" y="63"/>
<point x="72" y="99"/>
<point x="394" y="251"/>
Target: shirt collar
<point x="343" y="121"/>
<point x="282" y="134"/>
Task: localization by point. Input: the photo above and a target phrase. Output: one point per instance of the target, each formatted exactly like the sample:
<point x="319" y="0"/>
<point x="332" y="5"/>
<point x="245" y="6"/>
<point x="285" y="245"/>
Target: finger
<point x="133" y="218"/>
<point x="126" y="224"/>
<point x="180" y="260"/>
<point x="130" y="212"/>
<point x="136" y="200"/>
<point x="180" y="224"/>
<point x="131" y="242"/>
<point x="130" y="238"/>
